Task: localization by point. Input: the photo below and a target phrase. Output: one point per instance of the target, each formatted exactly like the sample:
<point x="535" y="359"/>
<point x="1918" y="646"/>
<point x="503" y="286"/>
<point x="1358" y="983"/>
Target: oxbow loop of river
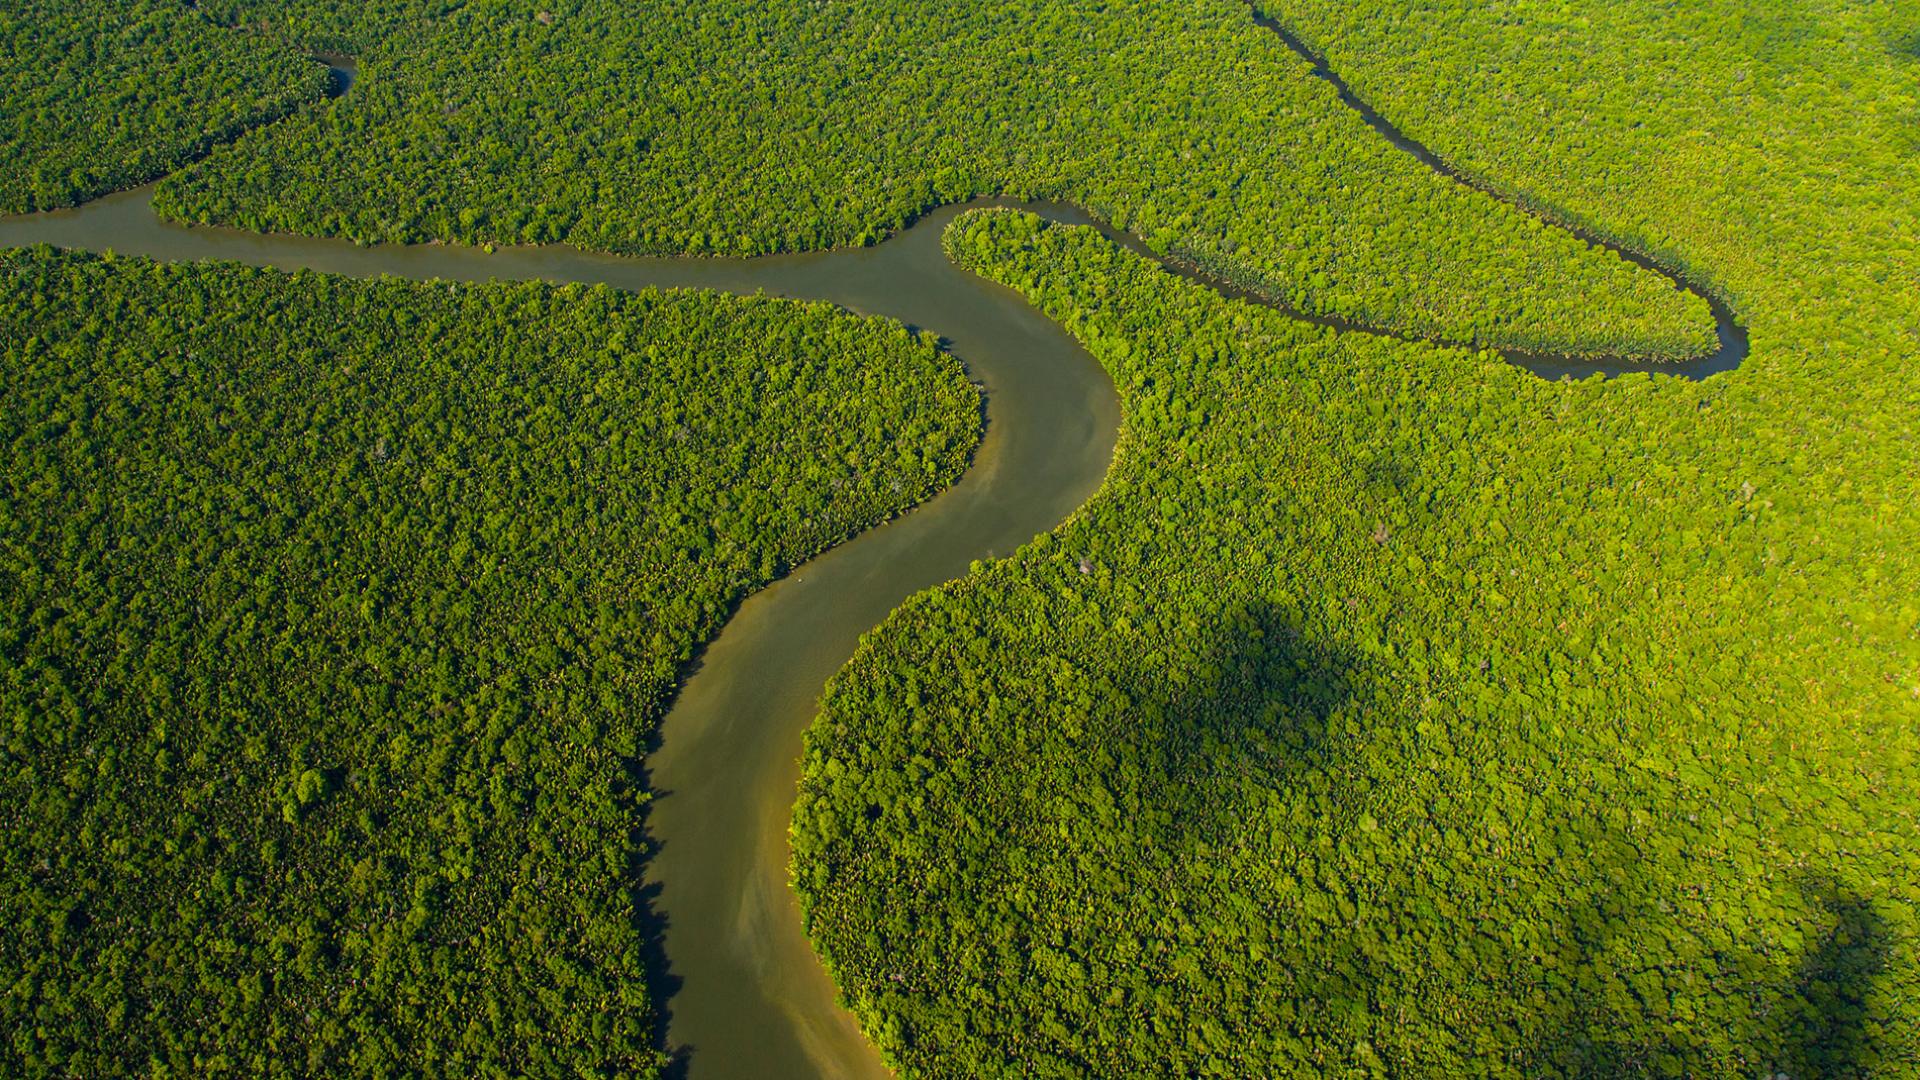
<point x="750" y="999"/>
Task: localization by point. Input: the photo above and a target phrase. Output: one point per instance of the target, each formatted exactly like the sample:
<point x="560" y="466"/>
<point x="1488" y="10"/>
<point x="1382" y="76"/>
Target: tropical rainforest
<point x="1389" y="711"/>
<point x="337" y="617"/>
<point x="1393" y="712"/>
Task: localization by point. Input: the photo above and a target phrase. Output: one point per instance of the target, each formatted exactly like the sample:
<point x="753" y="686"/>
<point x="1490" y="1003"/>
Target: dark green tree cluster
<point x="1391" y="712"/>
<point x="98" y="97"/>
<point x="335" y="617"/>
<point x="737" y="128"/>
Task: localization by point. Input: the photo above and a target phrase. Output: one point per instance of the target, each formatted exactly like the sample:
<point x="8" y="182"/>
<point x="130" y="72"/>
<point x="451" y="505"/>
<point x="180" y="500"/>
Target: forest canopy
<point x="335" y="617"/>
<point x="98" y="97"/>
<point x="1387" y="711"/>
<point x="1392" y="712"/>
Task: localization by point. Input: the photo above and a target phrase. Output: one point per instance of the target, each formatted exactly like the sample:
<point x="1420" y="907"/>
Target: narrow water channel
<point x="751" y="999"/>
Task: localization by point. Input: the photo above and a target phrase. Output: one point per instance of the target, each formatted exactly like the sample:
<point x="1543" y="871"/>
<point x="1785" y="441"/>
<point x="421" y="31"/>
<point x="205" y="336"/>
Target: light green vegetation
<point x="97" y="97"/>
<point x="334" y="618"/>
<point x="1386" y="710"/>
<point x="1767" y="144"/>
<point x="1395" y="712"/>
<point x="736" y="128"/>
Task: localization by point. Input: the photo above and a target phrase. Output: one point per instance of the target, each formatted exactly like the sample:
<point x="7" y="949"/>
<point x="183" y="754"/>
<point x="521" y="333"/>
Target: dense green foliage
<point x="1393" y="712"/>
<point x="96" y="97"/>
<point x="1388" y="712"/>
<point x="737" y="127"/>
<point x="334" y="616"/>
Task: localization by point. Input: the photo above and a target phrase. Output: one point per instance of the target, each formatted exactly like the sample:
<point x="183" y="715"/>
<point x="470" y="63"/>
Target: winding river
<point x="748" y="998"/>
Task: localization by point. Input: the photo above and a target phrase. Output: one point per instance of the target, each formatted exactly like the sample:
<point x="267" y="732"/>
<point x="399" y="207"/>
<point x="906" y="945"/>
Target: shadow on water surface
<point x="650" y="922"/>
<point x="1731" y="336"/>
<point x="341" y="71"/>
<point x="1255" y="706"/>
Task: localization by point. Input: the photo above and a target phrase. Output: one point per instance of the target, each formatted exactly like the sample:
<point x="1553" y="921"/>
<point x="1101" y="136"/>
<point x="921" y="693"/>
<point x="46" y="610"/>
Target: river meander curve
<point x="749" y="997"/>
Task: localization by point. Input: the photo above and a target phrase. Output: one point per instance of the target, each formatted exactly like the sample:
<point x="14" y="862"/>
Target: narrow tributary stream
<point x="749" y="999"/>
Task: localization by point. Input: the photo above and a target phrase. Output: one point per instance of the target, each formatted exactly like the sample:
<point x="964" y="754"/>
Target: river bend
<point x="750" y="999"/>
